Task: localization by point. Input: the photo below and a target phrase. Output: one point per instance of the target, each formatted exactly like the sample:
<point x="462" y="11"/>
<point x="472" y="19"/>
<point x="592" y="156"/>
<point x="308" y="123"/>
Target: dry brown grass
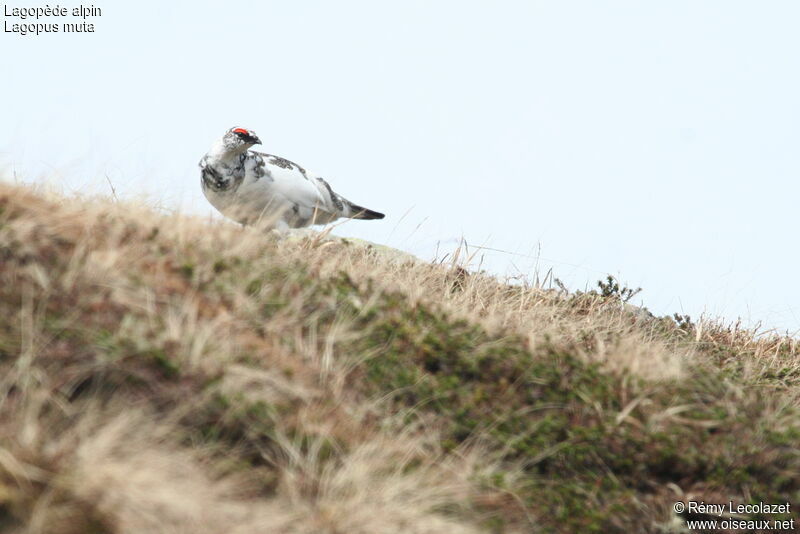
<point x="161" y="373"/>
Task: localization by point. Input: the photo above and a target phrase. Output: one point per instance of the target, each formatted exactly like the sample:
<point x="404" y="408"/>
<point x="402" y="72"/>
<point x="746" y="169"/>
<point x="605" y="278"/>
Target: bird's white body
<point x="252" y="187"/>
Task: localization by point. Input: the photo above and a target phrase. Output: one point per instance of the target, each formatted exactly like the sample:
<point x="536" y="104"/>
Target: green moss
<point x="187" y="270"/>
<point x="272" y="305"/>
<point x="167" y="365"/>
<point x="219" y="266"/>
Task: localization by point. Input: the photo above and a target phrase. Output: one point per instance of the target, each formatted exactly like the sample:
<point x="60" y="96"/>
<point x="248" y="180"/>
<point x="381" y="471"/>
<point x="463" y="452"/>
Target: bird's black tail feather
<point x="360" y="212"/>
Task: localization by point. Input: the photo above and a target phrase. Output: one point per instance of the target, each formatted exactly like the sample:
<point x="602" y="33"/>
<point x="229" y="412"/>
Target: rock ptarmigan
<point x="252" y="187"/>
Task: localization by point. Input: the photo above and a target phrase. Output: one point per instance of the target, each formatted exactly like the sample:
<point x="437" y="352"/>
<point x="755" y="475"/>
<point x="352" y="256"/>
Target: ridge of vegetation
<point x="161" y="373"/>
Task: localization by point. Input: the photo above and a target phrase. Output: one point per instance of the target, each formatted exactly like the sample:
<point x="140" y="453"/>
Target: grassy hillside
<point x="165" y="374"/>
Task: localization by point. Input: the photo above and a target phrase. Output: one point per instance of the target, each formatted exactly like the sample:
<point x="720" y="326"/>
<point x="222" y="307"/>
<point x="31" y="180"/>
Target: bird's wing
<point x="299" y="186"/>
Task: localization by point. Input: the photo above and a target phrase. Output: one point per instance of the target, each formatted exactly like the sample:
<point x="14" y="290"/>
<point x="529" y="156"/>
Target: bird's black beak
<point x="253" y="139"/>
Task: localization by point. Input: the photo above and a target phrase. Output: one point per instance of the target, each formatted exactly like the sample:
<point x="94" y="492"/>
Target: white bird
<point x="252" y="187"/>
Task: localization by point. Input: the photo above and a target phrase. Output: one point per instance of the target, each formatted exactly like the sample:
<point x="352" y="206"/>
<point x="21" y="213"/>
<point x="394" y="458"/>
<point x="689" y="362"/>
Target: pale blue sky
<point x="657" y="141"/>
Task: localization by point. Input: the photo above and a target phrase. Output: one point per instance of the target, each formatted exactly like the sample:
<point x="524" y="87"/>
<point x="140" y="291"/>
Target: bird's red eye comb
<point x="241" y="131"/>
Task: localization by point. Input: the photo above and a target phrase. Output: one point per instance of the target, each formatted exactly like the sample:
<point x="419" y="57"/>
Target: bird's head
<point x="240" y="139"/>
